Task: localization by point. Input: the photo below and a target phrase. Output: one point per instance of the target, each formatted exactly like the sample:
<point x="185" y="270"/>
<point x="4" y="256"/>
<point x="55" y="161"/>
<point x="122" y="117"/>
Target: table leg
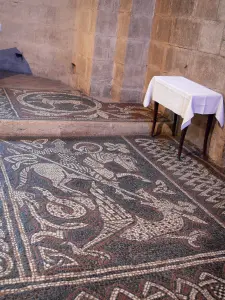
<point x="183" y="133"/>
<point x="208" y="127"/>
<point x="174" y="124"/>
<point x="156" y="106"/>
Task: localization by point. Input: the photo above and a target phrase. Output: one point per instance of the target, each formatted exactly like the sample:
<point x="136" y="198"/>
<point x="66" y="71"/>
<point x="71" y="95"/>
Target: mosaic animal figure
<point x="172" y="221"/>
<point x="54" y="102"/>
<point x="55" y="173"/>
<point x="97" y="159"/>
<point x="50" y="102"/>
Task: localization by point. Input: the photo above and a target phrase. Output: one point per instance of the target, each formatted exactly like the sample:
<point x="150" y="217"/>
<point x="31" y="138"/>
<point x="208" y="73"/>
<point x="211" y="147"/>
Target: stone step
<point x="67" y="129"/>
<point x="32" y="113"/>
<point x="28" y="108"/>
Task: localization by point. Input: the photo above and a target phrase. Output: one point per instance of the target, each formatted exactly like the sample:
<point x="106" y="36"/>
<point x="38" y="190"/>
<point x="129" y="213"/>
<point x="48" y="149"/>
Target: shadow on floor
<point x="12" y="62"/>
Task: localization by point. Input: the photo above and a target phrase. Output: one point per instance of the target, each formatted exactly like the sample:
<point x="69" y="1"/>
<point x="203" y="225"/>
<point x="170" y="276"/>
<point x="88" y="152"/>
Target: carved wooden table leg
<point x="208" y="127"/>
<point x="174" y="124"/>
<point x="156" y="106"/>
<point x="183" y="133"/>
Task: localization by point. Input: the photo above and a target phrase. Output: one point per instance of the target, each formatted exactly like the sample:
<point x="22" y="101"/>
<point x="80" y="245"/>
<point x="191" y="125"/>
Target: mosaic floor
<point x="109" y="218"/>
<point x="27" y="104"/>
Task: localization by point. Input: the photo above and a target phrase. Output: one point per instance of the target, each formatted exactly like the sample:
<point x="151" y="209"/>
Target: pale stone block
<point x="120" y="52"/>
<point x="222" y="50"/>
<point x="186" y="33"/>
<point x="143" y="7"/>
<point x="161" y="30"/>
<point x="123" y="24"/>
<point x="81" y="65"/>
<point x="156" y="54"/>
<point x="136" y="76"/>
<point x="131" y="96"/>
<point x="163" y="7"/>
<point x="177" y="61"/>
<point x="106" y="23"/>
<point x="221" y="10"/>
<point x="110" y="5"/>
<point x="118" y="73"/>
<point x="104" y="47"/>
<point x="102" y="70"/>
<point x="207" y="9"/>
<point x="208" y="70"/>
<point x="211" y="37"/>
<point x="115" y="93"/>
<point x="182" y="7"/>
<point x="136" y="51"/>
<point x="140" y="27"/>
<point x="85" y="21"/>
<point x="125" y="5"/>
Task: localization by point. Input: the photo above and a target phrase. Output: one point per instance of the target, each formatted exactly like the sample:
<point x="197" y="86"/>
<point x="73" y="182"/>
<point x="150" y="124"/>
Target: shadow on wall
<point x="13" y="60"/>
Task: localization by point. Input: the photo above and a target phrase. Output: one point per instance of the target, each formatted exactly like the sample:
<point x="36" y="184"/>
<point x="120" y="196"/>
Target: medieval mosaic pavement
<point x="109" y="218"/>
<point x="26" y="104"/>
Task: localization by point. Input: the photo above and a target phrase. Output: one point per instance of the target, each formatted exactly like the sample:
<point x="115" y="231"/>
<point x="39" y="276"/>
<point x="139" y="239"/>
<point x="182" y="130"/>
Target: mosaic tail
<point x="23" y="177"/>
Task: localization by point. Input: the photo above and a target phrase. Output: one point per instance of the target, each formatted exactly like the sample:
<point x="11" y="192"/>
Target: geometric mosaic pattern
<point x="109" y="218"/>
<point x="28" y="104"/>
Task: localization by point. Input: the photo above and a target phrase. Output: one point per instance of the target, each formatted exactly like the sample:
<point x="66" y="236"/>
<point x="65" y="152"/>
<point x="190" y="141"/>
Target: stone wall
<point x="104" y="49"/>
<point x="43" y="31"/>
<point x="188" y="39"/>
<point x="84" y="41"/>
<point x="133" y="37"/>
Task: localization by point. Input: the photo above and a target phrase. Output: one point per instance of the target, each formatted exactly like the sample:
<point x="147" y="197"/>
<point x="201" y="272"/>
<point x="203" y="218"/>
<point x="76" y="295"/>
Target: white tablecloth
<point x="185" y="98"/>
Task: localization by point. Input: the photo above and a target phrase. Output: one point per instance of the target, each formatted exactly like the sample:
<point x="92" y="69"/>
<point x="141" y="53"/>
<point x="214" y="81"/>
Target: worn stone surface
<point x="140" y="27"/>
<point x="177" y="60"/>
<point x="222" y="50"/>
<point x="123" y="25"/>
<point x="47" y="41"/>
<point x="129" y="95"/>
<point x="163" y="7"/>
<point x="162" y="28"/>
<point x="103" y="47"/>
<point x="208" y="70"/>
<point x="121" y="47"/>
<point x="211" y="37"/>
<point x="156" y="54"/>
<point x="186" y="33"/>
<point x="108" y="5"/>
<point x="106" y="23"/>
<point x="144" y="7"/>
<point x="118" y="73"/>
<point x="103" y="59"/>
<point x="84" y="38"/>
<point x="125" y="6"/>
<point x="135" y="78"/>
<point x="221" y="10"/>
<point x="207" y="9"/>
<point x="182" y="7"/>
<point x="136" y="51"/>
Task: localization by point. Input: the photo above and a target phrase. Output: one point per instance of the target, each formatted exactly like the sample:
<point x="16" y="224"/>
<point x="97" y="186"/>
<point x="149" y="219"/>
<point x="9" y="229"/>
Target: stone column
<point x="134" y="33"/>
<point x="84" y="41"/>
<point x="104" y="48"/>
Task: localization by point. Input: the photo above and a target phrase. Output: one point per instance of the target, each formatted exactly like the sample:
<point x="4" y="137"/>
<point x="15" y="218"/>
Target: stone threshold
<point x="65" y="129"/>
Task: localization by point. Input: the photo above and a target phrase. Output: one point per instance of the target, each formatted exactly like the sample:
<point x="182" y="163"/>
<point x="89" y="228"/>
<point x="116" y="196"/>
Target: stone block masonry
<point x="104" y="48"/>
<point x="43" y="32"/>
<point x="133" y="38"/>
<point x="188" y="39"/>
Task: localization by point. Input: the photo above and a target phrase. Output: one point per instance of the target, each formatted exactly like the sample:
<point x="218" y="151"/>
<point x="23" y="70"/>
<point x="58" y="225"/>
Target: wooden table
<point x="184" y="98"/>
